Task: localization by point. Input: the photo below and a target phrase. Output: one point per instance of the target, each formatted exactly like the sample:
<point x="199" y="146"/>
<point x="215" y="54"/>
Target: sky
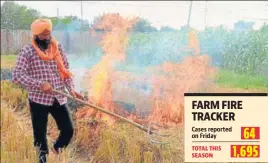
<point x="161" y="13"/>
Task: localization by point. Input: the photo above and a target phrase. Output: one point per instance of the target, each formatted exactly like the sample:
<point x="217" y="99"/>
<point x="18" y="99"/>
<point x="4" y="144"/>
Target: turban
<point x="40" y="25"/>
<point x="53" y="53"/>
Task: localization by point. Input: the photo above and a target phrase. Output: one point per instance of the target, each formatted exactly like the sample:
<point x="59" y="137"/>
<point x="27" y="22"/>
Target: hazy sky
<point x="172" y="13"/>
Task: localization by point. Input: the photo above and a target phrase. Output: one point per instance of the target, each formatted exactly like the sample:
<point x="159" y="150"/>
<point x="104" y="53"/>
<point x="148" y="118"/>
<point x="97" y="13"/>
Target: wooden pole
<point x="189" y="14"/>
<point x="82" y="25"/>
<point x="206" y="10"/>
<point x="58" y="13"/>
<point x="81" y="9"/>
<point x="105" y="111"/>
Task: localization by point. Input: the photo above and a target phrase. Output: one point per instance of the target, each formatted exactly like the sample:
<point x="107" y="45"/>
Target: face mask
<point x="42" y="43"/>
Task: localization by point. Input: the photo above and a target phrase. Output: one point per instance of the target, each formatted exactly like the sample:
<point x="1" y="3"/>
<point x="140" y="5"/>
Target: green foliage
<point x="246" y="81"/>
<point x="167" y="29"/>
<point x="8" y="61"/>
<point x="69" y="22"/>
<point x="143" y="25"/>
<point x="14" y="16"/>
<point x="244" y="52"/>
<point x="153" y="48"/>
<point x="242" y="25"/>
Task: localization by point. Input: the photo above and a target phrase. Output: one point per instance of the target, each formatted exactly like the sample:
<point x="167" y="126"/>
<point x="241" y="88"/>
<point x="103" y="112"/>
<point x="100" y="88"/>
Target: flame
<point x="113" y="44"/>
<point x="194" y="42"/>
<point x="169" y="81"/>
<point x="175" y="80"/>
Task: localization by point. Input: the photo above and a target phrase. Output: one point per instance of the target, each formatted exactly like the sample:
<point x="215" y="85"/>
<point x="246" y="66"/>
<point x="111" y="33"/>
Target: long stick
<point x="105" y="111"/>
<point x="189" y="14"/>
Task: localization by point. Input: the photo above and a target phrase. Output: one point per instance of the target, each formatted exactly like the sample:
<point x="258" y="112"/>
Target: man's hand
<point x="76" y="95"/>
<point x="46" y="87"/>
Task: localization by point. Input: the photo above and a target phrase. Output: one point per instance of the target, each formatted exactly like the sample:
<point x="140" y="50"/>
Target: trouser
<point x="62" y="116"/>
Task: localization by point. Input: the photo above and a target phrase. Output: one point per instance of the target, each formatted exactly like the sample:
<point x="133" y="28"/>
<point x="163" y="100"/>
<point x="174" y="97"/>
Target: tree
<point x="184" y="29"/>
<point x="143" y="25"/>
<point x="167" y="29"/>
<point x="96" y="21"/>
<point x="243" y="25"/>
<point x="14" y="16"/>
<point x="72" y="23"/>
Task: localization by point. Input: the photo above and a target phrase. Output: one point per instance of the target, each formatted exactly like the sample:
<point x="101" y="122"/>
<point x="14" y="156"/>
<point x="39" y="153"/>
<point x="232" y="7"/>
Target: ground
<point x="119" y="143"/>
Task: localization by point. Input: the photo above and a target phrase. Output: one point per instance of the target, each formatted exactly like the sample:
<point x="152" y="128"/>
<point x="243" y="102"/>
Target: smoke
<point x="153" y="70"/>
<point x="148" y="70"/>
<point x="143" y="50"/>
<point x="82" y="49"/>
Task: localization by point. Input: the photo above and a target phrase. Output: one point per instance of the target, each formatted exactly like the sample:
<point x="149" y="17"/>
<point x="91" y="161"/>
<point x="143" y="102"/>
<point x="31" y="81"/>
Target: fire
<point x="113" y="44"/>
<point x="194" y="42"/>
<point x="175" y="80"/>
<point x="100" y="78"/>
<point x="101" y="93"/>
<point x="169" y="81"/>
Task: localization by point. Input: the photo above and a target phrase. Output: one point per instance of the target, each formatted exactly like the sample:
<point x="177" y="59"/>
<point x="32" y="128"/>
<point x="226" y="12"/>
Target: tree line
<point x="19" y="17"/>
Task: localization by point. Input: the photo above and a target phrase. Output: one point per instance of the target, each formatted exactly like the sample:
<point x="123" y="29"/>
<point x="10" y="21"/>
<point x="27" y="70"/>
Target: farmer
<point x="41" y="67"/>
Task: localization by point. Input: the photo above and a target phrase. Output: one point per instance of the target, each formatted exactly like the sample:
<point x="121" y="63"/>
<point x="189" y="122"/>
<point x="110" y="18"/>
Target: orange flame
<point x="169" y="85"/>
<point x="113" y="44"/>
<point x="194" y="42"/>
<point x="175" y="80"/>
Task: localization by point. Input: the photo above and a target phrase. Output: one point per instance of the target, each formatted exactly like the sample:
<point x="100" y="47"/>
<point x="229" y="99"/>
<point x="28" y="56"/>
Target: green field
<point x="8" y="61"/>
<point x="245" y="81"/>
<point x="224" y="78"/>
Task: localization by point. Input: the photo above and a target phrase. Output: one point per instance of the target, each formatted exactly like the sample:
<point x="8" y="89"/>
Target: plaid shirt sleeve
<point x="19" y="74"/>
<point x="68" y="82"/>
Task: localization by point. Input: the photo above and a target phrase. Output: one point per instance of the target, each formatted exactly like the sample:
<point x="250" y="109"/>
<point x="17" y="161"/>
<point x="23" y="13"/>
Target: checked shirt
<point x="31" y="71"/>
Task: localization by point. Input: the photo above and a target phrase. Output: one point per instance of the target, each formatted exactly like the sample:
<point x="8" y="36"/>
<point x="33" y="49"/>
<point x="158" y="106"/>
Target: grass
<point x="16" y="146"/>
<point x="104" y="144"/>
<point x="245" y="81"/>
<point x="118" y="143"/>
<point x="16" y="131"/>
<point x="8" y="61"/>
<point x="124" y="143"/>
<point x="17" y="142"/>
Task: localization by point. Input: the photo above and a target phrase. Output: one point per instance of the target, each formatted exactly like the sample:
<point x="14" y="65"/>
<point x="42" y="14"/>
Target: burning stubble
<point x="113" y="44"/>
<point x="168" y="81"/>
<point x="174" y="79"/>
